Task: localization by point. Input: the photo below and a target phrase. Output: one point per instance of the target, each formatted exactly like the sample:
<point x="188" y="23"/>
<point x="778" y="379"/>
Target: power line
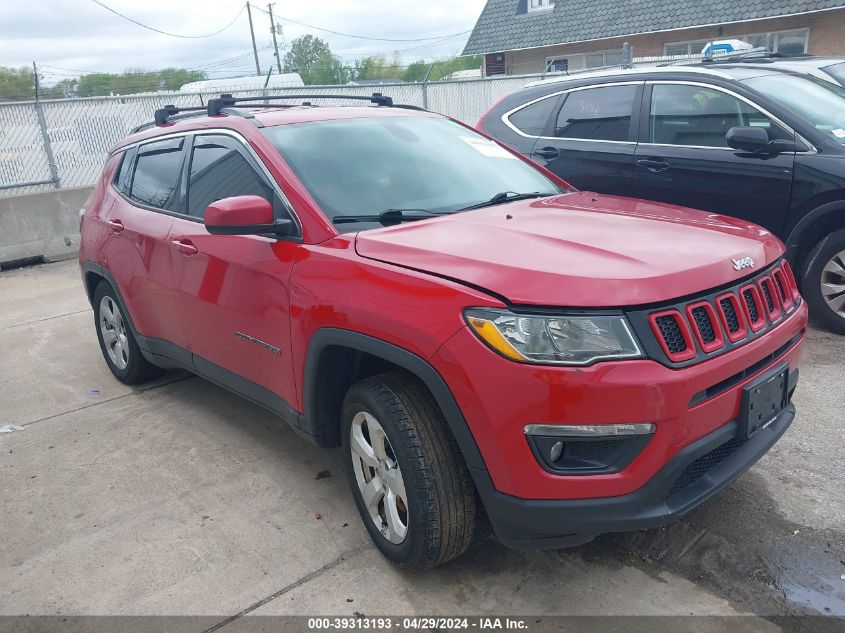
<point x="364" y="37"/>
<point x="150" y="28"/>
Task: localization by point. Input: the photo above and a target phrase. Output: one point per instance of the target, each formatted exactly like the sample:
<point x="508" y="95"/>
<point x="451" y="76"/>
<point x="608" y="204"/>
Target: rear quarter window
<point x="121" y="176"/>
<point x="532" y="119"/>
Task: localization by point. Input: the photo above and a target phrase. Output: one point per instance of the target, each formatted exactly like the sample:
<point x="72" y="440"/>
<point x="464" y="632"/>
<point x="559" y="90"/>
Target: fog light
<point x="589" y="430"/>
<point x="587" y="449"/>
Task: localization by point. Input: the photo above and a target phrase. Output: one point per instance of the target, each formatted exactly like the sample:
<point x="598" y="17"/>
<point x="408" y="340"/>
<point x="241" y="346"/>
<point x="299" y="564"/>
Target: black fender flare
<point x="795" y="238"/>
<point x="410" y="362"/>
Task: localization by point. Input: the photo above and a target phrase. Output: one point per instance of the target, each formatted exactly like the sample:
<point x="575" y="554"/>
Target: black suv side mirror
<point x="756" y="140"/>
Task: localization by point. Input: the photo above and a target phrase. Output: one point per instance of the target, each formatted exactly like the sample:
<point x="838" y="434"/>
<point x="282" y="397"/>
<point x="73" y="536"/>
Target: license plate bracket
<point x="763" y="400"/>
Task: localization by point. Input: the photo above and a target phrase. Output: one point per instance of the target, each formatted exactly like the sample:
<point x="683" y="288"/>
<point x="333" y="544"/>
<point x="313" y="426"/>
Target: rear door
<point x="590" y="139"/>
<point x="233" y="290"/>
<point x="136" y="248"/>
<point x="682" y="157"/>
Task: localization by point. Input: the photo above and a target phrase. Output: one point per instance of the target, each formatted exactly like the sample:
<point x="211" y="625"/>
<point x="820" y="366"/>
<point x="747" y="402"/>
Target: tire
<point x="823" y="281"/>
<point x="434" y="485"/>
<point x="121" y="352"/>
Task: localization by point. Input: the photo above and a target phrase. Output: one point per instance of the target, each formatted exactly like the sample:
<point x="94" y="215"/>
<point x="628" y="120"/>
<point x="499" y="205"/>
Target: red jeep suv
<point x="477" y="336"/>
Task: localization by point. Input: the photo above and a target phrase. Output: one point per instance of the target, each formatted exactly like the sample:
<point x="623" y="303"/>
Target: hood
<point x="578" y="250"/>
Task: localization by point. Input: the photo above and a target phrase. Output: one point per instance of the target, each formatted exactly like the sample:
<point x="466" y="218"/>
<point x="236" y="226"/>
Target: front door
<point x="233" y="290"/>
<point x="682" y="157"/>
<point x="590" y="141"/>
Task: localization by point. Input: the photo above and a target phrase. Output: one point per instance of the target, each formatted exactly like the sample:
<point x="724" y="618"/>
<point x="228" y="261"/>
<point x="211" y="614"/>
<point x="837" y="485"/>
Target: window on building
<point x="787" y="42"/>
<point x="598" y="60"/>
<point x="157" y="172"/>
<point x="540" y="5"/>
<point x="532" y="118"/>
<point x="602" y="114"/>
<point x="557" y="65"/>
<point x="685" y="49"/>
<point x="219" y="171"/>
<point x="701" y="117"/>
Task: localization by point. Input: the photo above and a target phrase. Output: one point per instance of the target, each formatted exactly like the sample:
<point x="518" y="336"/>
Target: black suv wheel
<point x="823" y="281"/>
<point x="409" y="481"/>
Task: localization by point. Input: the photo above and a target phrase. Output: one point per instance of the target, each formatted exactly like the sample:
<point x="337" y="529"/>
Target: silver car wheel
<point x="113" y="329"/>
<point x="379" y="477"/>
<point x="833" y="283"/>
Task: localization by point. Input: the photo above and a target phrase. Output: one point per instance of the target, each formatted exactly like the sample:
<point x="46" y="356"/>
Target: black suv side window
<point x="219" y="170"/>
<point x="701" y="117"/>
<point x="601" y="114"/>
<point x="157" y="174"/>
<point x="532" y="119"/>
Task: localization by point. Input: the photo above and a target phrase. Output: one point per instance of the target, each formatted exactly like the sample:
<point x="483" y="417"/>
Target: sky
<point x="69" y="37"/>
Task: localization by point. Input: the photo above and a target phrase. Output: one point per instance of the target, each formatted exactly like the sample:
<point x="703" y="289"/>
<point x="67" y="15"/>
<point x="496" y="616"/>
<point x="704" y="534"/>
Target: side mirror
<point x="243" y="215"/>
<point x="756" y="140"/>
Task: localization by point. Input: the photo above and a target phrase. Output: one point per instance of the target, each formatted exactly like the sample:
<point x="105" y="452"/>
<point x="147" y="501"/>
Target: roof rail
<point x="225" y="104"/>
<point x="228" y="101"/>
<point x="752" y="56"/>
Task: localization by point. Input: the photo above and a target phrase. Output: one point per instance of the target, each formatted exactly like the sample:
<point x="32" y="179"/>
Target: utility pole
<point x="273" y="31"/>
<point x="252" y="34"/>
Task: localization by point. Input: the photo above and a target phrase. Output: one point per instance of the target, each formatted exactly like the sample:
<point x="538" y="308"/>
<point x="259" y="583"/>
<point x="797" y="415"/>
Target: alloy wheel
<point x="113" y="329"/>
<point x="379" y="477"/>
<point x="833" y="283"/>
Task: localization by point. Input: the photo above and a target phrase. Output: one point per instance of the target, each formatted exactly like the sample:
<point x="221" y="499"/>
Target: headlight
<point x="554" y="340"/>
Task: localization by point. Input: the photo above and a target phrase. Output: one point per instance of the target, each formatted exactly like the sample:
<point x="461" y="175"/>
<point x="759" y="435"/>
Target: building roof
<point x="505" y="25"/>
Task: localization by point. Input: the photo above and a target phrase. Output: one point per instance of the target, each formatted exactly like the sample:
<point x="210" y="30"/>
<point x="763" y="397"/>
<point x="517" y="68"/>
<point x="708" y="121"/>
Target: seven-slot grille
<point x="726" y="319"/>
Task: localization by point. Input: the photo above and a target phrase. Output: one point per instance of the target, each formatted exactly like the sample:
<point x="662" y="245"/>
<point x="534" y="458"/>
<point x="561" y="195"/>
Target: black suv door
<point x="682" y="156"/>
<point x="590" y="139"/>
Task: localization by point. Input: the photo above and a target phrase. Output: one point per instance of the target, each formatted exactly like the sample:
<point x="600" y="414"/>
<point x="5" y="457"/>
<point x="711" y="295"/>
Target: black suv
<point x="760" y="138"/>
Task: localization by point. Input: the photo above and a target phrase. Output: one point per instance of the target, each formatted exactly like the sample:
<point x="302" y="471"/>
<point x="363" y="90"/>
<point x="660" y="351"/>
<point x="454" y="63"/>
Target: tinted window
<point x="157" y="171"/>
<point x="219" y="171"/>
<point x="698" y="116"/>
<point x="121" y="179"/>
<point x="602" y="114"/>
<point x="532" y="118"/>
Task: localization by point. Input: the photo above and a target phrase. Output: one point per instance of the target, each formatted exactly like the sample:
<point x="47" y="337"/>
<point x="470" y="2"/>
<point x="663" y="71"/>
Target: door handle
<point x="115" y="225"/>
<point x="549" y="153"/>
<point x="654" y="165"/>
<point x="185" y="247"/>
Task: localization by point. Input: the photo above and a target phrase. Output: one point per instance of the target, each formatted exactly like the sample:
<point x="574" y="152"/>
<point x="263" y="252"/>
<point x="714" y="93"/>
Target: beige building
<point x="533" y="36"/>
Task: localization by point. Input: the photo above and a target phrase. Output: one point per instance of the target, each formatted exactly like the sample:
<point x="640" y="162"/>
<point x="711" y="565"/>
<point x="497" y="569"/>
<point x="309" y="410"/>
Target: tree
<point x="135" y="81"/>
<point x="441" y="68"/>
<point x="64" y="89"/>
<point x="17" y="84"/>
<point x="312" y="58"/>
<point x="378" y="67"/>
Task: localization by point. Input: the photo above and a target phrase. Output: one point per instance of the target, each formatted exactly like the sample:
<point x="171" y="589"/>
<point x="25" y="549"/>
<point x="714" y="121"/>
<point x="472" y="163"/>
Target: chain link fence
<point x="63" y="143"/>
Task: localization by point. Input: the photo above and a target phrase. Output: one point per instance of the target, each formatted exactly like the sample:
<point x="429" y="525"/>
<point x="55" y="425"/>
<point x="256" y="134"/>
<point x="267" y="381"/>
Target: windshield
<point x="365" y="166"/>
<point x="818" y="102"/>
<point x="837" y="71"/>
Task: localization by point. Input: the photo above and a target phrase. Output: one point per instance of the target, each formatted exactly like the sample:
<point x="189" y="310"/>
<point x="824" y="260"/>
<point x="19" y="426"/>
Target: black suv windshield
<point x="820" y="103"/>
<point x="364" y="166"/>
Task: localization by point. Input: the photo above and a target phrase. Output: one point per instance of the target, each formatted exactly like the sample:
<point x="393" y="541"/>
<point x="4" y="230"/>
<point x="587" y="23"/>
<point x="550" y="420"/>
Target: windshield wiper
<point x="389" y="217"/>
<point x="507" y="196"/>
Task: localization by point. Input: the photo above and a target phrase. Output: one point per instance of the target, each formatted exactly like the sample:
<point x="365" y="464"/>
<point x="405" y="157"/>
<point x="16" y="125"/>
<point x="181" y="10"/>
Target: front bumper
<point x="692" y="476"/>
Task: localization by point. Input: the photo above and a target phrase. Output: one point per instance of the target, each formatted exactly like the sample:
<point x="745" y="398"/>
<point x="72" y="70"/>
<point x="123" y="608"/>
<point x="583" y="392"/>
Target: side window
<point x="602" y="114"/>
<point x="157" y="174"/>
<point x="701" y="117"/>
<point x="121" y="178"/>
<point x="532" y="119"/>
<point x="219" y="170"/>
